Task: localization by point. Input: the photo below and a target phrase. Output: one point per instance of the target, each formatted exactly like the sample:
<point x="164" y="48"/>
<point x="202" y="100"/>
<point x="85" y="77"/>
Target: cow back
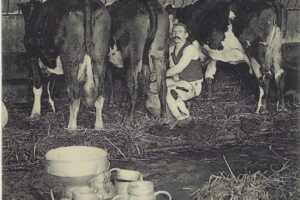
<point x="246" y="10"/>
<point x="125" y="12"/>
<point x="45" y="27"/>
<point x="203" y="18"/>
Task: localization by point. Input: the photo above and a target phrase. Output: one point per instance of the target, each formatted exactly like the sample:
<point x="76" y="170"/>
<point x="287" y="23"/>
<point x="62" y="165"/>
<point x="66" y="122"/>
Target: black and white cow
<point x="140" y="29"/>
<point x="70" y="37"/>
<point x="235" y="31"/>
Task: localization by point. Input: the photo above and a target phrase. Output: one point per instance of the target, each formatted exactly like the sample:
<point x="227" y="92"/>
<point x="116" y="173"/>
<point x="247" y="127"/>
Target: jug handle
<point x="141" y="177"/>
<point x="163" y="192"/>
<point x="114" y="169"/>
<point x="119" y="196"/>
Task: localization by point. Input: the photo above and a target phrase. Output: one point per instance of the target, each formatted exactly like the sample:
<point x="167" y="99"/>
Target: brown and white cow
<point x="235" y="31"/>
<point x="140" y="29"/>
<point x="71" y="36"/>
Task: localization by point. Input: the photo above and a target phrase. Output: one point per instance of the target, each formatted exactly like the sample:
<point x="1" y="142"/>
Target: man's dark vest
<point x="193" y="71"/>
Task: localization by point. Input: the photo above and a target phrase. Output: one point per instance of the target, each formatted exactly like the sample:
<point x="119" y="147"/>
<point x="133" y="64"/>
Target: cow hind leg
<point x="110" y="85"/>
<point x="159" y="62"/>
<point x="37" y="89"/>
<point x="124" y="99"/>
<point x="101" y="29"/>
<point x="266" y="95"/>
<point x="36" y="109"/>
<point x="136" y="50"/>
<point x="279" y="81"/>
<point x="132" y="90"/>
<point x="72" y="52"/>
<point x="158" y="57"/>
<point x="99" y="75"/>
<point x="99" y="79"/>
<point x="263" y="85"/>
<point x="73" y="88"/>
<point x="50" y="90"/>
<point x="209" y="76"/>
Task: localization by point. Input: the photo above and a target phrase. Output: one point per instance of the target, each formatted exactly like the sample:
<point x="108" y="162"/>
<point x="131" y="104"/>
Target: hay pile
<point x="276" y="185"/>
<point x="228" y="118"/>
<point x="25" y="141"/>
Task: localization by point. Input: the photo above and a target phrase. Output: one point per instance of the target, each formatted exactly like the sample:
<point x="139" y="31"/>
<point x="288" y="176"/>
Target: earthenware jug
<point x="123" y="177"/>
<point x="103" y="185"/>
<point x="86" y="193"/>
<point x="141" y="190"/>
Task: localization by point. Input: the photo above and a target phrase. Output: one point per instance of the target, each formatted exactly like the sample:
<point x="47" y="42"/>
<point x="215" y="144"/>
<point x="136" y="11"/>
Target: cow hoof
<point x="209" y="98"/>
<point x="123" y="104"/>
<point x="188" y="122"/>
<point x="250" y="71"/>
<point x="163" y="120"/>
<point x="71" y="128"/>
<point x="263" y="110"/>
<point x="112" y="105"/>
<point x="99" y="127"/>
<point x="296" y="105"/>
<point x="128" y="122"/>
<point x="282" y="109"/>
<point x="35" y="116"/>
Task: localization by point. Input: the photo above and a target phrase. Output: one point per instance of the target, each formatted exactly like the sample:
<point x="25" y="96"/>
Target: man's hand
<point x="115" y="57"/>
<point x="153" y="77"/>
<point x="175" y="78"/>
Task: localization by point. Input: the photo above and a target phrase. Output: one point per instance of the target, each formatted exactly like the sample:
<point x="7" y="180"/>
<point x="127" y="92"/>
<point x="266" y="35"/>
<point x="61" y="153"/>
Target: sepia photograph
<point x="150" y="99"/>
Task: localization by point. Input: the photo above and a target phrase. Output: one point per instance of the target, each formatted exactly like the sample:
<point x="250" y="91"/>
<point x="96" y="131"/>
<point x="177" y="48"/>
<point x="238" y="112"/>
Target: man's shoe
<point x="187" y="122"/>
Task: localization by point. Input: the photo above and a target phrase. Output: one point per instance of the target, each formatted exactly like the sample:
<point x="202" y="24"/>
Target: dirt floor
<point x="227" y="119"/>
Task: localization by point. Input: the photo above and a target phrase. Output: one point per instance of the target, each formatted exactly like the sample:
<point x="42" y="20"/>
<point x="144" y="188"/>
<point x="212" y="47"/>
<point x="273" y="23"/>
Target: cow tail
<point x="281" y="17"/>
<point x="152" y="31"/>
<point x="87" y="25"/>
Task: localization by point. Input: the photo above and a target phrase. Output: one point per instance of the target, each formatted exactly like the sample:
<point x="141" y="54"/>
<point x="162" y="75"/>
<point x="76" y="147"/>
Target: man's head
<point x="180" y="33"/>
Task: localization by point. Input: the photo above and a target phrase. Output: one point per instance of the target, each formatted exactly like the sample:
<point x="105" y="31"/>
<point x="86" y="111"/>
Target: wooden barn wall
<point x="12" y="23"/>
<point x="10" y="6"/>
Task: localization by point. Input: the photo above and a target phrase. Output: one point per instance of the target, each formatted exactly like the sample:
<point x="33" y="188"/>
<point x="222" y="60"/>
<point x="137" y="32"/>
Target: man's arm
<point x="188" y="54"/>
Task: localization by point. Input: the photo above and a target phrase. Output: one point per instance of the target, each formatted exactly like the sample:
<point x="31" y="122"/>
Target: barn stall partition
<point x="15" y="69"/>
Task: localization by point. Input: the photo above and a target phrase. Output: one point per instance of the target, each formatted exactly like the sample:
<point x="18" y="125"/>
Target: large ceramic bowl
<point x="76" y="161"/>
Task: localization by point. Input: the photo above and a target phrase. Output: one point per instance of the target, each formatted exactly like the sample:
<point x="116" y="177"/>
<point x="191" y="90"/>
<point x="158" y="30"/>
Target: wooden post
<point x="19" y="10"/>
<point x="287" y="4"/>
<point x="294" y="7"/>
<point x="7" y="7"/>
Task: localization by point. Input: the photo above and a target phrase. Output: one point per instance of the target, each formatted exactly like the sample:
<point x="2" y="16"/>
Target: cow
<point x="235" y="31"/>
<point x="71" y="36"/>
<point x="114" y="71"/>
<point x="140" y="31"/>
